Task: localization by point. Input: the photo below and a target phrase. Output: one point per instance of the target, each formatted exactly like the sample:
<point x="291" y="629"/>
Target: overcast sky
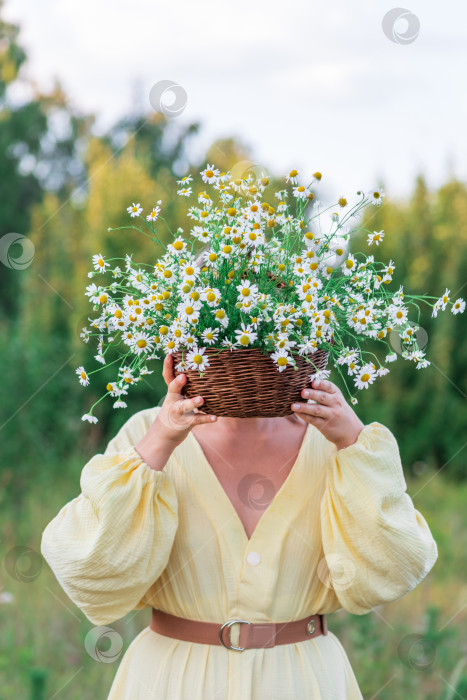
<point x="313" y="85"/>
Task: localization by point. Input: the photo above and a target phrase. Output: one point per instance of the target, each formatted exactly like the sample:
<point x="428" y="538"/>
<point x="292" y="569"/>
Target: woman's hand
<point x="173" y="422"/>
<point x="332" y="415"/>
<point x="177" y="415"/>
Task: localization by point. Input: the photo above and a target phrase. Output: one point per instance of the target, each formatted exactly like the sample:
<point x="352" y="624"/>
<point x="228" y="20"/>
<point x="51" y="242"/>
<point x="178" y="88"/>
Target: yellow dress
<point x="341" y="532"/>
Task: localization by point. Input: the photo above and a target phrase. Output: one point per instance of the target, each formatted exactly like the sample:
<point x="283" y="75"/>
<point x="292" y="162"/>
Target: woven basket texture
<point x="245" y="382"/>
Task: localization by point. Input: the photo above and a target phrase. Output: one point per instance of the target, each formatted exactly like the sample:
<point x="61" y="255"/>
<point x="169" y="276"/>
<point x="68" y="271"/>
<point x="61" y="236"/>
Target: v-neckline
<point x="277" y="496"/>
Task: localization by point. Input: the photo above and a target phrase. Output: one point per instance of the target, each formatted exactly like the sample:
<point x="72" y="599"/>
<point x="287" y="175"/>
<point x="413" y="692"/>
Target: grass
<point x="413" y="648"/>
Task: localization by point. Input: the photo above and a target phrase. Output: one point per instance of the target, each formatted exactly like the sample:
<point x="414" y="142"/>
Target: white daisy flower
<point x="246" y="290"/>
<point x="221" y="316"/>
<point x="422" y="364"/>
<point x="210" y="335"/>
<point x="196" y="359"/>
<point x="186" y="192"/>
<point x="320" y="374"/>
<point x="353" y="400"/>
<point x="99" y="263"/>
<point x="89" y="417"/>
<point x="178" y="246"/>
<point x="154" y="214"/>
<point x="182" y="366"/>
<point x="119" y="404"/>
<point x="392" y="357"/>
<point x="185" y="180"/>
<point x="190" y="271"/>
<point x="210" y="174"/>
<point x="83" y="376"/>
<point x="245" y="336"/>
<point x="141" y="343"/>
<point x="458" y="306"/>
<point x="375" y="196"/>
<point x="282" y="358"/>
<point x="366" y="375"/>
<point x="212" y="296"/>
<point x="134" y="210"/>
<point x="375" y="237"/>
<point x="228" y="344"/>
<point x="300" y="192"/>
<point x="350" y="265"/>
<point x="292" y="177"/>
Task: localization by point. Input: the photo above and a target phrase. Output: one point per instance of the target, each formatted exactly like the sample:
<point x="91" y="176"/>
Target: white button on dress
<point x="253" y="558"/>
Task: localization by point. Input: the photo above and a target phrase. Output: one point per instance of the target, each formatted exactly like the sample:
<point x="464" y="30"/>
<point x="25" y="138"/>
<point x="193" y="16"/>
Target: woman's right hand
<point x="173" y="422"/>
<point x="177" y="415"/>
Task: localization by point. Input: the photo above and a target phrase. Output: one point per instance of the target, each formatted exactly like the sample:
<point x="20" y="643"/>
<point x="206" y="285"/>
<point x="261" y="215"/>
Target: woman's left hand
<point x="332" y="415"/>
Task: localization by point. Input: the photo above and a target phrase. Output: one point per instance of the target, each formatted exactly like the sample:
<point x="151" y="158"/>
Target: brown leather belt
<point x="253" y="635"/>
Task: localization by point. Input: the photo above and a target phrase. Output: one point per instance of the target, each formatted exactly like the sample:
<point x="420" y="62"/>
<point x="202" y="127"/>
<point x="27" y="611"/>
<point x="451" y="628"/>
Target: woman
<point x="169" y="519"/>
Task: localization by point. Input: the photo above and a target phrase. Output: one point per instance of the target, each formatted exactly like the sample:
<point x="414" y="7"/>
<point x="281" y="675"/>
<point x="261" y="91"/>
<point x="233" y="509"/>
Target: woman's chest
<point x="251" y="475"/>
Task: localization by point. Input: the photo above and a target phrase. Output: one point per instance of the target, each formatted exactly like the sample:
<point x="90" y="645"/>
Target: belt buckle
<point x="229" y="624"/>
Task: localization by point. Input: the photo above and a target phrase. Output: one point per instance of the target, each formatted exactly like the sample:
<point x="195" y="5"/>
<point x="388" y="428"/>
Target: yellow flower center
<point x="244" y="340"/>
<point x="103" y="298"/>
<point x="141" y="343"/>
<point x="163" y="330"/>
<point x="209" y="173"/>
<point x="282" y="361"/>
<point x="83" y="375"/>
<point x="198" y="359"/>
<point x="365" y="377"/>
<point x="293" y="173"/>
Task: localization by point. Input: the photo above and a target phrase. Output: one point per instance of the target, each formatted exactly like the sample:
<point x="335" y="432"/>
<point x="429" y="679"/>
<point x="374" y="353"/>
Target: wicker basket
<point x="246" y="382"/>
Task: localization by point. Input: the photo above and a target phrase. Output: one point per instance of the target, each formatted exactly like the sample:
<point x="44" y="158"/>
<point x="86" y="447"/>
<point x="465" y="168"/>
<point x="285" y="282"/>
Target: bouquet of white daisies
<point x="258" y="269"/>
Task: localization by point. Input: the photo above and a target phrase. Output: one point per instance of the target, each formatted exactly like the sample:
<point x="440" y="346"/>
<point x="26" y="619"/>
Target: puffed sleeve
<point x="108" y="545"/>
<point x="377" y="546"/>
